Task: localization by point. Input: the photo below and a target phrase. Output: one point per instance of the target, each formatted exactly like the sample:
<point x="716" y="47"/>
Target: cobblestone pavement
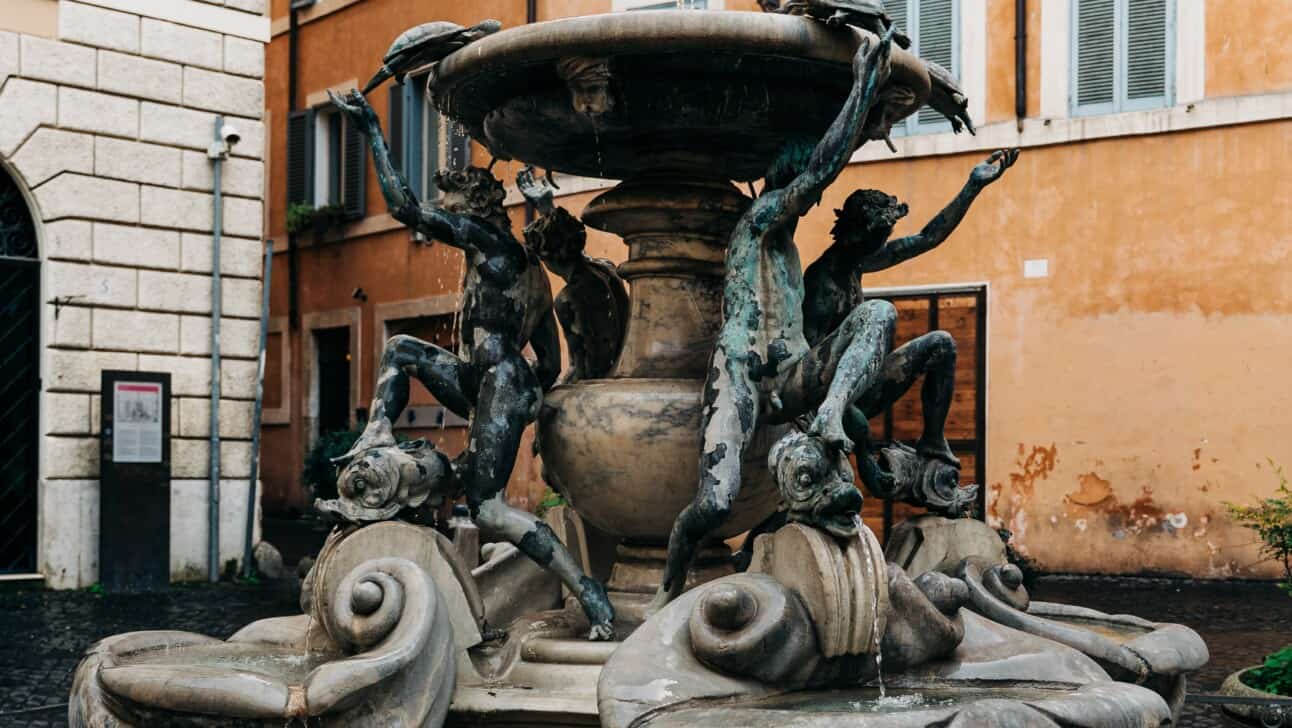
<point x="43" y="634"/>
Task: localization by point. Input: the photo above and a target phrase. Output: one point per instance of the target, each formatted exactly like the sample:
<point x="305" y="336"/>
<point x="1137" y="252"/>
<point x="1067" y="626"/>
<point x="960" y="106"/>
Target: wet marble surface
<point x="43" y="634"/>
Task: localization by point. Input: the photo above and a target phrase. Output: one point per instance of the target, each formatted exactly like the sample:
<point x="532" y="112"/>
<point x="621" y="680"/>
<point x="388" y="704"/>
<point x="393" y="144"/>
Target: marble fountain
<point x="410" y="621"/>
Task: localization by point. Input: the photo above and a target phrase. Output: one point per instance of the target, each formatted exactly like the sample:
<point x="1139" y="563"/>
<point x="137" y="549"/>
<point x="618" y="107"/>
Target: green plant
<point x="96" y="588"/>
<point x="320" y="472"/>
<point x="1275" y="676"/>
<point x="302" y="217"/>
<point x="1271" y="519"/>
<point x="551" y="499"/>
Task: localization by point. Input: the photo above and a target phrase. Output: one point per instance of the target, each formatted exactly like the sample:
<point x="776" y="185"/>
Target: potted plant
<point x="1271" y="519"/>
<point x="302" y="216"/>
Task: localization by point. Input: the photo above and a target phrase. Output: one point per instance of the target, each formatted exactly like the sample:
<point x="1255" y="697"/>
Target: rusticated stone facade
<point x="109" y="107"/>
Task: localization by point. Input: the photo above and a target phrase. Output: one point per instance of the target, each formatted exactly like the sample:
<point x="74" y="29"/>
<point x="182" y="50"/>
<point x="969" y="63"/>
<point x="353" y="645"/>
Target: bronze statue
<point x="426" y="44"/>
<point x="833" y="291"/>
<point x="593" y="306"/>
<point x="865" y="14"/>
<point x="507" y="304"/>
<point x="762" y="367"/>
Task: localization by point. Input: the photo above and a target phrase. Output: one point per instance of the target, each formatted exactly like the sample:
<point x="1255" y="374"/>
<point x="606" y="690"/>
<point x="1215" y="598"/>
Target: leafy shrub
<point x="1271" y="519"/>
<point x="302" y="217"/>
<point x="1275" y="676"/>
<point x="551" y="499"/>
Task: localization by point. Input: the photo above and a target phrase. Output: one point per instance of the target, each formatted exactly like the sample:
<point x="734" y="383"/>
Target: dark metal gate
<point x="962" y="312"/>
<point x="19" y="380"/>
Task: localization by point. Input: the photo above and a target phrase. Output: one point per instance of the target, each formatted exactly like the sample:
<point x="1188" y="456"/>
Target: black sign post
<point x="134" y="481"/>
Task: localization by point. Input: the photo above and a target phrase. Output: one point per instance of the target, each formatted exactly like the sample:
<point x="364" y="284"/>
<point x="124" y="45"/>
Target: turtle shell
<point x="421" y="36"/>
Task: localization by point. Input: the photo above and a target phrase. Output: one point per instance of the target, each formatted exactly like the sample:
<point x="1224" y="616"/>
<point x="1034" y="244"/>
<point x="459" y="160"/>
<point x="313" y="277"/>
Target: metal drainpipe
<point x="1020" y="63"/>
<point x="217" y="159"/>
<point x="293" y="273"/>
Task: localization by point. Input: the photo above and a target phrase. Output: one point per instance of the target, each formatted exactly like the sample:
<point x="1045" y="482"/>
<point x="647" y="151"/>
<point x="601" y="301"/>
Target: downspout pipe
<point x="1020" y="63"/>
<point x="293" y="81"/>
<point x="217" y="152"/>
<point x="247" y="556"/>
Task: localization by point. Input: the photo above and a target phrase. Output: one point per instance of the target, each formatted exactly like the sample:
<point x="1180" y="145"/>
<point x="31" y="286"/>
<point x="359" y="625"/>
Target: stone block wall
<point x="107" y="127"/>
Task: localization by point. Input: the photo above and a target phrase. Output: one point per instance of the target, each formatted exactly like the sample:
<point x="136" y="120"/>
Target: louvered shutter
<point x="1146" y="50"/>
<point x="300" y="157"/>
<point x="1096" y="46"/>
<point x="354" y="171"/>
<point x="415" y="121"/>
<point x="936" y="41"/>
<point x="395" y="120"/>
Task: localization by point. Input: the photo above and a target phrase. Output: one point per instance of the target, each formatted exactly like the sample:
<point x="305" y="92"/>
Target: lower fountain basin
<point x="1032" y="704"/>
<point x="624" y="452"/>
<point x="286" y="665"/>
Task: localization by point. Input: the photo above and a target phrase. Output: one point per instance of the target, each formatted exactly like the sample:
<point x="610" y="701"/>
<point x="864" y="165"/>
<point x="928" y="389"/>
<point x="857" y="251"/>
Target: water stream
<point x="875" y="634"/>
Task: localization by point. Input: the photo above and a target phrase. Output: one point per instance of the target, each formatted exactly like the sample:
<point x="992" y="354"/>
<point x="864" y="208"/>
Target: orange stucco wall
<point x="1247" y="48"/>
<point x="1138" y="384"/>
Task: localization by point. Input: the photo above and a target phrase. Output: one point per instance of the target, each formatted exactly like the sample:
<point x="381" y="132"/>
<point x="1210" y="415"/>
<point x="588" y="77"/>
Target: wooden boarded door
<point x="962" y="312"/>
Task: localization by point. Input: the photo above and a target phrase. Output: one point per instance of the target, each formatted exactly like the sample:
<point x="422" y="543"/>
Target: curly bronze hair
<point x="868" y="211"/>
<point x="483" y="191"/>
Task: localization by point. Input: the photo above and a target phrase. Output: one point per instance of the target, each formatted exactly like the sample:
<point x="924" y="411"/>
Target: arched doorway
<point x="19" y="380"/>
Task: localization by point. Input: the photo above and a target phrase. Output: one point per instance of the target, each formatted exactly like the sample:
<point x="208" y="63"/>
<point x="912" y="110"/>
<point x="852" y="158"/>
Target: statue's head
<point x="473" y="191"/>
<point x="558" y="239"/>
<point x="866" y="220"/>
<point x="380" y="481"/>
<point x="588" y="79"/>
<point x="816" y="483"/>
<point x="790" y="162"/>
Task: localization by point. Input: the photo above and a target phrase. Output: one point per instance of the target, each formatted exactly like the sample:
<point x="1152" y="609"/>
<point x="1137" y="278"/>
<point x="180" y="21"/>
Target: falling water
<point x="309" y="624"/>
<point x="596" y="140"/>
<point x="874" y="592"/>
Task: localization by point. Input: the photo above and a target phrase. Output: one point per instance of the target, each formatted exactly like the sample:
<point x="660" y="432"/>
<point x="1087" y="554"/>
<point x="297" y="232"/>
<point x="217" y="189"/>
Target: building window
<point x="1121" y="55"/>
<point x="421" y="142"/>
<point x="327" y="161"/>
<point x="934" y="28"/>
<point x="665" y="5"/>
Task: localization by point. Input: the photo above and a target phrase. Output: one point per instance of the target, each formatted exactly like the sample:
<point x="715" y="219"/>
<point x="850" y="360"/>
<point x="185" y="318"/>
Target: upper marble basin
<point x="713" y="93"/>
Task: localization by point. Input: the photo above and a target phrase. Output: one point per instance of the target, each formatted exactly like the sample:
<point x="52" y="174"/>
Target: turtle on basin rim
<point x="425" y="44"/>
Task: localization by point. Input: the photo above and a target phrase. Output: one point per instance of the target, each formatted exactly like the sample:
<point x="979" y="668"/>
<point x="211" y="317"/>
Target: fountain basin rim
<point x="690" y="92"/>
<point x="657" y="31"/>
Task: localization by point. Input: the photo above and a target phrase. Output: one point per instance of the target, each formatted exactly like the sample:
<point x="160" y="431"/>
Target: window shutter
<point x="1096" y="35"/>
<point x="896" y="10"/>
<point x="395" y="119"/>
<point x="300" y="157"/>
<point x="1146" y="47"/>
<point x="354" y="171"/>
<point x="415" y="123"/>
<point x="935" y="39"/>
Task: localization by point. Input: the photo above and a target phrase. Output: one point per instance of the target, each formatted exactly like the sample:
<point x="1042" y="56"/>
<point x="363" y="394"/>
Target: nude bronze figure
<point x="593" y="305"/>
<point x="507" y="304"/>
<point x="833" y="290"/>
<point x="762" y="367"/>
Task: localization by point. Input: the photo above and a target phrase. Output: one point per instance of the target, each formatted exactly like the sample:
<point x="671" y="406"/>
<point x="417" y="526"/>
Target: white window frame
<point x="1120" y="103"/>
<point x="619" y="6"/>
<point x="326" y="118"/>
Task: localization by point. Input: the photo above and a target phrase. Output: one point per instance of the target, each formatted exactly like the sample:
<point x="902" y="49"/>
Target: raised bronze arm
<point x="831" y="155"/>
<point x="944" y="223"/>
